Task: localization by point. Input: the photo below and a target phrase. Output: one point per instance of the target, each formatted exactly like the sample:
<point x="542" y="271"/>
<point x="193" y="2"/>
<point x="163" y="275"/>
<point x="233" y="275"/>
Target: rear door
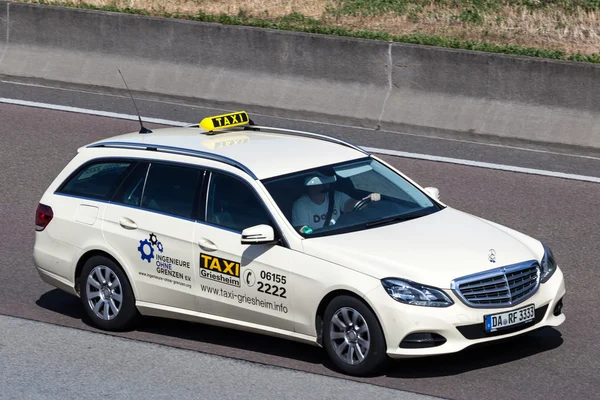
<point x="150" y="223"/>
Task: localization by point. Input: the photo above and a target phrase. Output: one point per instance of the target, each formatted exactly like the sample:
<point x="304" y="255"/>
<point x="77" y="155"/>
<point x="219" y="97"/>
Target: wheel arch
<point x="99" y="252"/>
<point x="325" y="302"/>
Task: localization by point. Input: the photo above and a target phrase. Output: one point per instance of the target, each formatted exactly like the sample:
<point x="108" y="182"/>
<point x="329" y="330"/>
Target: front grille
<point x="500" y="287"/>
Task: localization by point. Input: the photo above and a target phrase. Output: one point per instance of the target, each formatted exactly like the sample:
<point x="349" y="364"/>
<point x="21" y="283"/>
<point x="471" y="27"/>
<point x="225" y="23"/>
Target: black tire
<point x="375" y="358"/>
<point x="127" y="314"/>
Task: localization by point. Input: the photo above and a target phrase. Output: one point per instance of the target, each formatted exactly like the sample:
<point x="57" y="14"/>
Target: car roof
<point x="262" y="153"/>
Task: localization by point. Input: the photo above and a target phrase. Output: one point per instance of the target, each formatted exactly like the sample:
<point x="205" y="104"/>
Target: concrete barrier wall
<point x="3" y="30"/>
<point x="491" y="94"/>
<point x="211" y="61"/>
<point x="427" y="89"/>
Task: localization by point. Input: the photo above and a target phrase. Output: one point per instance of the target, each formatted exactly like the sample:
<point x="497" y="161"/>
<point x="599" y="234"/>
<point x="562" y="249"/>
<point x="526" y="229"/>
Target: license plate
<point x="507" y="319"/>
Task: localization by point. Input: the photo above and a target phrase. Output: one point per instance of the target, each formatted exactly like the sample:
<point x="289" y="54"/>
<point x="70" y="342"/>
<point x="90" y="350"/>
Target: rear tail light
<point x="43" y="216"/>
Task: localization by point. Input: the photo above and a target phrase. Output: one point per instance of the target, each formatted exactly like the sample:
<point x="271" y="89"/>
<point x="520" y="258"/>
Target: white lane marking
<point x="471" y="163"/>
<point x="503" y="146"/>
<point x="91" y="112"/>
<point x="37" y="85"/>
<point x="502" y="167"/>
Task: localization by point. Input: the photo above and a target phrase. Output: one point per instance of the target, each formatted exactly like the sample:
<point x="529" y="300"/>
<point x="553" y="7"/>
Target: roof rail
<point x="175" y="150"/>
<point x="311" y="134"/>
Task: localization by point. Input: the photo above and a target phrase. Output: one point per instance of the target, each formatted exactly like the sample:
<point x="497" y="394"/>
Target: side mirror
<point x="259" y="234"/>
<point x="433" y="192"/>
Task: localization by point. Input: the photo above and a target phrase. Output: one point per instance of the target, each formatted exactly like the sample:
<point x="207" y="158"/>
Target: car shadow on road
<point x="233" y="339"/>
<point x="193" y="336"/>
<point x="61" y="302"/>
<point x="185" y="334"/>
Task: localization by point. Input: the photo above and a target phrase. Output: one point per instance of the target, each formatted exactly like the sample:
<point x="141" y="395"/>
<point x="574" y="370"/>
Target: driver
<point x="311" y="208"/>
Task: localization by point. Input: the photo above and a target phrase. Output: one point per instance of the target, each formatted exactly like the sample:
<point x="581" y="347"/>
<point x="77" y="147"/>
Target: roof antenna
<point x="142" y="130"/>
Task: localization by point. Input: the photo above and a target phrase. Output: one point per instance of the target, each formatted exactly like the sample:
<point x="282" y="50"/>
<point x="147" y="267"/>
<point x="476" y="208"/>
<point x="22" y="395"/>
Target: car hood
<point x="432" y="250"/>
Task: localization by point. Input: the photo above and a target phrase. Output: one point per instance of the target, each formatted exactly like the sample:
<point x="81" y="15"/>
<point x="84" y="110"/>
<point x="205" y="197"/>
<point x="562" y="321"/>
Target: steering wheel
<point x="362" y="203"/>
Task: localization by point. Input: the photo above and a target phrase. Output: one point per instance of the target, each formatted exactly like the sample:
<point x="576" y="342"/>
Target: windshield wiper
<point x="398" y="218"/>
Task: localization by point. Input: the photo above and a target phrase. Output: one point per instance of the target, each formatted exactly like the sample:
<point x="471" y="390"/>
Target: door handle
<point x="207" y="244"/>
<point x="127" y="223"/>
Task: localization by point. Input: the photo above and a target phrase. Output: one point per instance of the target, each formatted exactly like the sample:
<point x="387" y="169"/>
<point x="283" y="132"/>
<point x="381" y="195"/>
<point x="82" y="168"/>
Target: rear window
<point x="97" y="180"/>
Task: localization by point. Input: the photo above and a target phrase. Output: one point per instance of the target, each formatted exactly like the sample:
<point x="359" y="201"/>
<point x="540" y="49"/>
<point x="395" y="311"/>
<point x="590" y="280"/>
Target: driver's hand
<point x="374" y="197"/>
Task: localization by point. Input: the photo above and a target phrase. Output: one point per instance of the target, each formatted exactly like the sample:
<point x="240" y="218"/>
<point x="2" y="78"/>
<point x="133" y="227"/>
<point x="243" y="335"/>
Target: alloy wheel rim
<point x="349" y="335"/>
<point x="104" y="292"/>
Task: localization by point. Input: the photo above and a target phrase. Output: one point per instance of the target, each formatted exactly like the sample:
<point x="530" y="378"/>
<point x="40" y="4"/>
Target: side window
<point x="97" y="180"/>
<point x="130" y="192"/>
<point x="232" y="204"/>
<point x="171" y="189"/>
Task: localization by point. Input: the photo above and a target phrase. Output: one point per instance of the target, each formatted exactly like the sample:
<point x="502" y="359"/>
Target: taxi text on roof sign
<point x="225" y="120"/>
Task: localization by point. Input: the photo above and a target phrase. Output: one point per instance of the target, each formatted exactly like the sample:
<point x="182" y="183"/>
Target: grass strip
<point x="300" y="23"/>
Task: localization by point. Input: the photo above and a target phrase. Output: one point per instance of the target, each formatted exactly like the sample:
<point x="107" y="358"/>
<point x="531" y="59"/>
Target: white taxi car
<point x="285" y="233"/>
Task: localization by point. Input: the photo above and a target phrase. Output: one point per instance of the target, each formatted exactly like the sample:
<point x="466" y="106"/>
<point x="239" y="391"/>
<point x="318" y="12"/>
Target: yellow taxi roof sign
<point x="225" y="121"/>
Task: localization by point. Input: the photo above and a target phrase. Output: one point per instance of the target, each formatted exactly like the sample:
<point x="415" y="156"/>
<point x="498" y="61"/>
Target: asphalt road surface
<point x="44" y="361"/>
<point x="548" y="364"/>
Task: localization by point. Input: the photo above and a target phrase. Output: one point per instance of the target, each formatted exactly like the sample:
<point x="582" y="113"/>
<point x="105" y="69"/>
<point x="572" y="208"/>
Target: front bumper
<point x="461" y="326"/>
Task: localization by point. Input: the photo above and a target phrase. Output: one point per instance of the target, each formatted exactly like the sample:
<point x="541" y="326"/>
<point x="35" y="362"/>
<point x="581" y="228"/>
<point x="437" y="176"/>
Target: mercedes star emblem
<point x="492" y="256"/>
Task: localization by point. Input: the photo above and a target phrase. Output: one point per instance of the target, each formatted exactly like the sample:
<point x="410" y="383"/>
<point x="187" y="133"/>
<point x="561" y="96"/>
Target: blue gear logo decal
<point x="144" y="244"/>
<point x="146" y="247"/>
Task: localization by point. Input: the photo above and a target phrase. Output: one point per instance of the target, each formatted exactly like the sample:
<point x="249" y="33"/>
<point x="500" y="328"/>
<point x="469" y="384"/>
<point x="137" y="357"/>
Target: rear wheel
<point x="352" y="337"/>
<point x="106" y="295"/>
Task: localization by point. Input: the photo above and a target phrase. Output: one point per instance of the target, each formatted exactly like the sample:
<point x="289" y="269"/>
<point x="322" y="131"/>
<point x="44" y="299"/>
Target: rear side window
<point x="130" y="192"/>
<point x="172" y="189"/>
<point x="97" y="180"/>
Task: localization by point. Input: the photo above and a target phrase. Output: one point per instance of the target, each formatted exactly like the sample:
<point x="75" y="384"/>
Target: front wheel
<point x="352" y="337"/>
<point x="106" y="295"/>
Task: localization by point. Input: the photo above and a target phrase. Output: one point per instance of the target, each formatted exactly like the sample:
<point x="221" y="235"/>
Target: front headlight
<point x="408" y="292"/>
<point x="548" y="264"/>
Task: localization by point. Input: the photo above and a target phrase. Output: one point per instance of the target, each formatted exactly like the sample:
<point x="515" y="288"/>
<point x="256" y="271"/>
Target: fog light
<point x="421" y="340"/>
<point x="558" y="308"/>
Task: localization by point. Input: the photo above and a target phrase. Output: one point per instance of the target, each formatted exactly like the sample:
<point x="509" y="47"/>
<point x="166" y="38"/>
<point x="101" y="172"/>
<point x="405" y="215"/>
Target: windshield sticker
<point x="307" y="230"/>
<point x="220" y="270"/>
<point x="152" y="248"/>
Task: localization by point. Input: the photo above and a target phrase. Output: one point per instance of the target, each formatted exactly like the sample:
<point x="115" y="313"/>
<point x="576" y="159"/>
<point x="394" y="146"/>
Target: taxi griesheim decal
<point x="220" y="270"/>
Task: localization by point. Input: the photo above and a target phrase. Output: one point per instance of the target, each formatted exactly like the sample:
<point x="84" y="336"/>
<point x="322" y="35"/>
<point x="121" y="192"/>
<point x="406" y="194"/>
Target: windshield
<point x="365" y="194"/>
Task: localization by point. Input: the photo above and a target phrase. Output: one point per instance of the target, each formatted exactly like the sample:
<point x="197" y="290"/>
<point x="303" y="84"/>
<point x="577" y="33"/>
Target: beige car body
<point x="314" y="269"/>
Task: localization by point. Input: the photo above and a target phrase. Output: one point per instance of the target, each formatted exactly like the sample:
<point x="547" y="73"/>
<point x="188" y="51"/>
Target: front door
<point x="151" y="225"/>
<point x="249" y="283"/>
